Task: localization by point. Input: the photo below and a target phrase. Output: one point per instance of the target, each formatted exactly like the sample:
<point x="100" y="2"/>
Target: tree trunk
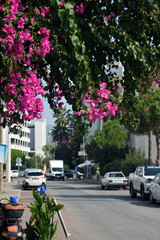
<point x="158" y="147"/>
<point x="150" y="147"/>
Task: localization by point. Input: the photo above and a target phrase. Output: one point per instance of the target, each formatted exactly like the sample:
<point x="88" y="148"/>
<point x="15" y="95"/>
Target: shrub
<point x="133" y="159"/>
<point x="114" y="166"/>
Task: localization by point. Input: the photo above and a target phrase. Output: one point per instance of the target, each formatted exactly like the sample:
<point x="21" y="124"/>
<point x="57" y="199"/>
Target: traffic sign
<point x="18" y="164"/>
<point x="18" y="160"/>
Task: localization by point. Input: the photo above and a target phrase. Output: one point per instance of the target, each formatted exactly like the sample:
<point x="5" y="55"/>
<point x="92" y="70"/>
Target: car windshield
<point x="35" y="174"/>
<point x="151" y="171"/>
<point x="115" y="175"/>
<point x="57" y="169"/>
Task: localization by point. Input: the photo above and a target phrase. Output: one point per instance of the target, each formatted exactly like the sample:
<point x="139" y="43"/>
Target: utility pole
<point x="1" y="164"/>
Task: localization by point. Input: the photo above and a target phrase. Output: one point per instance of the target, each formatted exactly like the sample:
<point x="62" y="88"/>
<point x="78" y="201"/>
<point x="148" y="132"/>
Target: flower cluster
<point x="80" y="9"/>
<point x="100" y="107"/>
<point x="23" y="83"/>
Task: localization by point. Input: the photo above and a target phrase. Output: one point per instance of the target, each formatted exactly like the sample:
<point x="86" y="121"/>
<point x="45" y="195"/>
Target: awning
<point x="86" y="163"/>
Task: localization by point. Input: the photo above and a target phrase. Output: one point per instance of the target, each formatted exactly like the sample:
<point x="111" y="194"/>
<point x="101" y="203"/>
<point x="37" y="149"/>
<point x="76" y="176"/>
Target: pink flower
<point x="9" y="18"/>
<point x="1" y="8"/>
<point x="37" y="11"/>
<point x="20" y="23"/>
<point x="69" y="146"/>
<point x="11" y="105"/>
<point x="79" y="9"/>
<point x="142" y="89"/>
<point x="108" y="17"/>
<point x="61" y="4"/>
<point x="14" y="8"/>
<point x="63" y="141"/>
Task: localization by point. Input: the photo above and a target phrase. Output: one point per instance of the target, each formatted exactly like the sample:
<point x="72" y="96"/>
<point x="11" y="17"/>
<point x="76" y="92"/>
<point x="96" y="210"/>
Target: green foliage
<point x="66" y="166"/>
<point x="16" y="154"/>
<point x="133" y="159"/>
<point x="112" y="166"/>
<point x="42" y="209"/>
<point x="107" y="145"/>
<point x="30" y="163"/>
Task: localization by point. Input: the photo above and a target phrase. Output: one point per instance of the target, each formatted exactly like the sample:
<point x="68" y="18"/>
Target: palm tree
<point x="62" y="128"/>
<point x="48" y="149"/>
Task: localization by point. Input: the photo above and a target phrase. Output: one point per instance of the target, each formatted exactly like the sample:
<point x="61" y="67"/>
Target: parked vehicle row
<point x="144" y="181"/>
<point x="71" y="173"/>
<point x="141" y="180"/>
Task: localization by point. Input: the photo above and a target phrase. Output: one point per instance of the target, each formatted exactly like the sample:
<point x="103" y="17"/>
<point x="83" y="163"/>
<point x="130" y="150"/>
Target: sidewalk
<point x="11" y="189"/>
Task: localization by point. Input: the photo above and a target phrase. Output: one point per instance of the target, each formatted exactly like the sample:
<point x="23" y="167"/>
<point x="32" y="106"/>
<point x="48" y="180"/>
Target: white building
<point x="37" y="137"/>
<point x="17" y="141"/>
<point x="141" y="143"/>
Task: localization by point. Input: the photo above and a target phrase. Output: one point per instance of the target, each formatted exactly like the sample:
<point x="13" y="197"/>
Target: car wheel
<point x="124" y="187"/>
<point x="107" y="187"/>
<point x="102" y="187"/>
<point x="143" y="195"/>
<point x="132" y="192"/>
<point x="152" y="200"/>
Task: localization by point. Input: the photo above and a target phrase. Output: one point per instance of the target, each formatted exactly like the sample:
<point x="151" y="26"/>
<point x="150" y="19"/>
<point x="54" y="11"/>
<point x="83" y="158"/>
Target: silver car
<point x="155" y="189"/>
<point x="114" y="179"/>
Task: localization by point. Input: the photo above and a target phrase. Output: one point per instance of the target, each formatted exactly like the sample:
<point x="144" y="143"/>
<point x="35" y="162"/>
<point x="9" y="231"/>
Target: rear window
<point x="151" y="171"/>
<point x="116" y="175"/>
<point x="35" y="174"/>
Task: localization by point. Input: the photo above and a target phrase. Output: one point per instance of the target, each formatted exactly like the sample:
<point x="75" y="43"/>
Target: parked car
<point x="140" y="180"/>
<point x="34" y="178"/>
<point x="71" y="173"/>
<point x="14" y="173"/>
<point x="155" y="189"/>
<point x="114" y="179"/>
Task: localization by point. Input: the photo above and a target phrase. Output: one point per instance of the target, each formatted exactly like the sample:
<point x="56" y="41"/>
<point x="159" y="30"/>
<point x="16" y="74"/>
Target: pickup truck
<point x="140" y="180"/>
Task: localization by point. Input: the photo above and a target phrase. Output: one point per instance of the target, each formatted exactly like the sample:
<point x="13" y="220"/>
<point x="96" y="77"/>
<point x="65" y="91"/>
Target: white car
<point x="155" y="189"/>
<point x="114" y="179"/>
<point x="34" y="178"/>
<point x="14" y="173"/>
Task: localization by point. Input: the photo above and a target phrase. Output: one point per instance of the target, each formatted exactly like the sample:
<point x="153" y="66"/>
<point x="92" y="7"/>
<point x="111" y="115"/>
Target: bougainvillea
<point x="61" y="48"/>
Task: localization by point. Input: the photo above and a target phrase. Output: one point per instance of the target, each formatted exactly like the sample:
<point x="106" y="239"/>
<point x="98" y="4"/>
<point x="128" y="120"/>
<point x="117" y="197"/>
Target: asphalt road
<point x="94" y="214"/>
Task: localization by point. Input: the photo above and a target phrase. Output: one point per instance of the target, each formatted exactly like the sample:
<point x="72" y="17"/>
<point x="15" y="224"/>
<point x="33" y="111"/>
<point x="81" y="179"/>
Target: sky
<point x="48" y="113"/>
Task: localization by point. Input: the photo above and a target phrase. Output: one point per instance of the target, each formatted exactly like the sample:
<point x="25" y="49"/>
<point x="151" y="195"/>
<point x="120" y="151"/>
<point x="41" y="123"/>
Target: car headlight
<point x="148" y="181"/>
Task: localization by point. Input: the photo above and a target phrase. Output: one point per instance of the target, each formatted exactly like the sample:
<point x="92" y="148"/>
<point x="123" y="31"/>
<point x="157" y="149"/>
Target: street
<point x="91" y="213"/>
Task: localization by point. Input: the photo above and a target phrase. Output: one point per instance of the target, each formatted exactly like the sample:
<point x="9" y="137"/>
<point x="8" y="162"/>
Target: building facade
<point x="37" y="137"/>
<point x="17" y="141"/>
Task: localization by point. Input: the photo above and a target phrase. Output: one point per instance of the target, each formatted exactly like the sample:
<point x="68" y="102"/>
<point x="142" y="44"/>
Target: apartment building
<point x="37" y="137"/>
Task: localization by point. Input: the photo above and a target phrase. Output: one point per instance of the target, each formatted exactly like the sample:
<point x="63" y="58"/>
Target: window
<point x="57" y="169"/>
<point x="35" y="174"/>
<point x="151" y="171"/>
<point x="116" y="175"/>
